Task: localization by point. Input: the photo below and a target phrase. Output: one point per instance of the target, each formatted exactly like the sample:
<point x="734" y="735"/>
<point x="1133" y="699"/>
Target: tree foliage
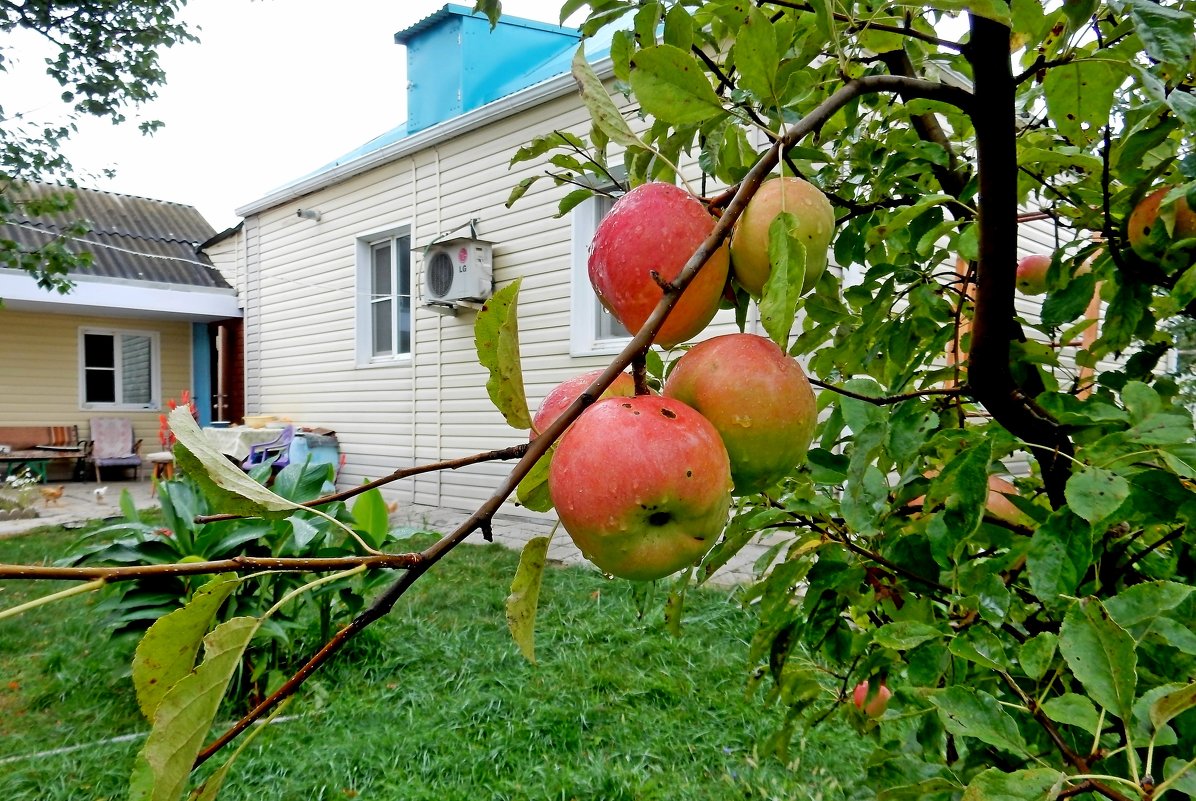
<point x="104" y="56"/>
<point x="1038" y="642"/>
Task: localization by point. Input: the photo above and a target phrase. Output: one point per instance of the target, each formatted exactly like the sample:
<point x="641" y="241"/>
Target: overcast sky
<point x="274" y="89"/>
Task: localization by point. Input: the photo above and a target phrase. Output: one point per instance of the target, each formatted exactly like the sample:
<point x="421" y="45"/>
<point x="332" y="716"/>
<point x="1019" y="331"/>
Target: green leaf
<point x="1031" y="784"/>
<point x="1172" y="704"/>
<point x="1182" y="774"/>
<point x="1060" y="554"/>
<point x="905" y="216"/>
<point x="1068" y="304"/>
<point x="220" y="479"/>
<point x="521" y="189"/>
<point x="185" y="714"/>
<point x="525" y="595"/>
<point x="1079" y="97"/>
<point x="1166" y="32"/>
<point x="787" y="273"/>
<point x="981" y="646"/>
<point x="1101" y="655"/>
<point x="974" y="713"/>
<point x="167" y="651"/>
<point x="572" y="200"/>
<point x="756" y="58"/>
<point x="532" y="491"/>
<point x="211" y="785"/>
<point x="128" y="508"/>
<point x="1037" y="653"/>
<point x="602" y="109"/>
<point x="372" y="516"/>
<point x="961" y="489"/>
<point x="1142" y="603"/>
<point x="496" y="336"/>
<point x="1074" y="710"/>
<point x="1184" y="106"/>
<point x="997" y="10"/>
<point x="905" y="634"/>
<point x="671" y="86"/>
<point x="1094" y="493"/>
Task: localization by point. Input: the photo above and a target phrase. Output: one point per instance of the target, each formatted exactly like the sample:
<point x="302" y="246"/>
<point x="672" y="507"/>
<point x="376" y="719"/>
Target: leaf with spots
<point x="974" y="713"/>
<point x="1079" y="97"/>
<point x="496" y="336"/>
<point x="1101" y="655"/>
<point x="671" y="86"/>
<point x="603" y="110"/>
<point x="1094" y="493"/>
<point x="787" y="274"/>
<point x="525" y="595"/>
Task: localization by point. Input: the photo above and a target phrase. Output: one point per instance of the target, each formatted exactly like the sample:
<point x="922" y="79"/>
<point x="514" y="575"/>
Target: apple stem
<point x="639" y="372"/>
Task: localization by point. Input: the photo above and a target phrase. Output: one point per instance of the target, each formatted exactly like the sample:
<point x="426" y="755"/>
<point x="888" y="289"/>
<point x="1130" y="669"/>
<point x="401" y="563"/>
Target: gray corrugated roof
<point x="131" y="237"/>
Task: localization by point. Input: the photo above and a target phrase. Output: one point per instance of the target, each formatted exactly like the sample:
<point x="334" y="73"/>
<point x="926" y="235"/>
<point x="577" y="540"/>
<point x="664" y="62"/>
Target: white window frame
<point x="586" y="310"/>
<point x="155" y="402"/>
<point x="365" y="244"/>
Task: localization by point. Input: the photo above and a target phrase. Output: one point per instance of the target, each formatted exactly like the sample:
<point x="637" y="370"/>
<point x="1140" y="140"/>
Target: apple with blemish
<point x="563" y="394"/>
<point x="656" y="227"/>
<point x="1032" y="273"/>
<point x="1145" y="217"/>
<point x="642" y="485"/>
<point x="815" y="228"/>
<point x="759" y="400"/>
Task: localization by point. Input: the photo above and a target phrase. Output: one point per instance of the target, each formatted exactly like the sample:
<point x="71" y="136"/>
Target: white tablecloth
<point x="235" y="441"/>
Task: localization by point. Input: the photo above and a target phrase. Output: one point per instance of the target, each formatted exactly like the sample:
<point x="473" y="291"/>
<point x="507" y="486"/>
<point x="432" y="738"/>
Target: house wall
<point x="39" y="369"/>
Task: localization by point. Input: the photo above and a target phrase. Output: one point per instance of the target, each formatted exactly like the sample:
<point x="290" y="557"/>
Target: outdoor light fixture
<point x="309" y="214"/>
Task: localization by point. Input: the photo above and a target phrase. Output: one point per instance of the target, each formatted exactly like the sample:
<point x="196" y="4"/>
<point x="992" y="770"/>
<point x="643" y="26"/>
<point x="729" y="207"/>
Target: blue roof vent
<point x="455" y="63"/>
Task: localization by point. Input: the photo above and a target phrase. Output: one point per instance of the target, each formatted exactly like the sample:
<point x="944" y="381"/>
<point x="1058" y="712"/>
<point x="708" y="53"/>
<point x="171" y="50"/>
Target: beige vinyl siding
<point x="39" y="369"/>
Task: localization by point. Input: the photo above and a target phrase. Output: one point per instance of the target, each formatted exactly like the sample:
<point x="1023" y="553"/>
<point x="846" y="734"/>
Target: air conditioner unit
<point x="458" y="269"/>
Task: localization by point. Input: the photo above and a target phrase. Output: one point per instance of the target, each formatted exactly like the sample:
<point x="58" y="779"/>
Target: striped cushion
<point x="63" y="435"/>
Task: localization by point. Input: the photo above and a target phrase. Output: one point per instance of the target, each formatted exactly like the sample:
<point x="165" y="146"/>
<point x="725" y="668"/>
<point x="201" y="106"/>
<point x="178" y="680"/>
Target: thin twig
<point x="237" y="564"/>
<point x="510" y="452"/>
<point x="891" y="399"/>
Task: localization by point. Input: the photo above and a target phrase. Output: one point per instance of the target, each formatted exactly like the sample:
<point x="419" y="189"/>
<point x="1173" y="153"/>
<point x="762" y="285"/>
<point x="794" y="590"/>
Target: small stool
<point x="163" y="462"/>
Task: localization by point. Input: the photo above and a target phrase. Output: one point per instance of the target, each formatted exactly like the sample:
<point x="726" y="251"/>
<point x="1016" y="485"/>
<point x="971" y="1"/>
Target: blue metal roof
<point x="518" y="67"/>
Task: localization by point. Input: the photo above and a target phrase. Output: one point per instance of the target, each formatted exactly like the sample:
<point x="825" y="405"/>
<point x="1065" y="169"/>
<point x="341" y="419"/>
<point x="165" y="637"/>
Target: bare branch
<point x="237" y="564"/>
<point x="888" y="400"/>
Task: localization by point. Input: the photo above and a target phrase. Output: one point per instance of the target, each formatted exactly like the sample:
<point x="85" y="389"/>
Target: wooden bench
<point x="36" y="447"/>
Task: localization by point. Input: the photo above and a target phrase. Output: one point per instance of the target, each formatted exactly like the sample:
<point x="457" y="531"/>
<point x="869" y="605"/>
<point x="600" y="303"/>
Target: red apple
<point x="557" y="400"/>
<point x="815" y="228"/>
<point x="875" y="706"/>
<point x="1146" y="214"/>
<point x="642" y="485"/>
<point x="757" y="397"/>
<point x="656" y="227"/>
<point x="1032" y="273"/>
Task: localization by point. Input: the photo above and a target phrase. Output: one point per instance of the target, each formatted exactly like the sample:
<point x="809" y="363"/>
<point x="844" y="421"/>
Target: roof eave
<point x="514" y="103"/>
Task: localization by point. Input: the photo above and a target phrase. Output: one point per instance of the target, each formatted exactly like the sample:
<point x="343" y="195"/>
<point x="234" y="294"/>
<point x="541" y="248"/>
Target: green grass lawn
<point x="435" y="701"/>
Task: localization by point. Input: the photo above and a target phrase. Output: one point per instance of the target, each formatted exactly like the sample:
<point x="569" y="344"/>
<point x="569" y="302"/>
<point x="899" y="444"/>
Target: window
<point x="119" y="369"/>
<point x="593" y="330"/>
<point x="384" y="309"/>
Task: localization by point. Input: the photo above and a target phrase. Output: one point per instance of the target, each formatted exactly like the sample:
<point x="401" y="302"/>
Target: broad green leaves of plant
<point x="496" y="337"/>
<point x="602" y="109"/>
<point x="186" y="712"/>
<point x="372" y="516"/>
<point x="532" y="491"/>
<point x="525" y="595"/>
<point x="167" y="651"/>
<point x="787" y="273"/>
<point x="671" y="86"/>
<point x="1101" y="655"/>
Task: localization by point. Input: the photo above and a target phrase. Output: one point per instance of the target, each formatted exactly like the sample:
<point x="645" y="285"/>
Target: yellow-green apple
<point x="563" y="394"/>
<point x="1032" y="273"/>
<point x="758" y="399"/>
<point x="749" y="241"/>
<point x="642" y="485"/>
<point x="875" y="706"/>
<point x="656" y="227"/>
<point x="1146" y="214"/>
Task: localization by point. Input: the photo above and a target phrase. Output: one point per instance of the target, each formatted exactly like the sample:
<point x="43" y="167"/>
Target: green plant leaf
<point x="1079" y="97"/>
<point x="1060" y="554"/>
<point x="602" y="109"/>
<point x="520" y="189"/>
<point x="221" y="480"/>
<point x="1166" y="32"/>
<point x="1034" y="784"/>
<point x="1182" y="774"/>
<point x="372" y="517"/>
<point x="1094" y="493"/>
<point x="211" y="785"/>
<point x="1167" y="707"/>
<point x="496" y="337"/>
<point x="981" y="646"/>
<point x="128" y="508"/>
<point x="1145" y="602"/>
<point x="975" y="713"/>
<point x="167" y="651"/>
<point x="1074" y="710"/>
<point x="1037" y="653"/>
<point x="1069" y="303"/>
<point x="787" y="273"/>
<point x="755" y="53"/>
<point x="672" y="87"/>
<point x="185" y="714"/>
<point x="1101" y="655"/>
<point x="532" y="491"/>
<point x="905" y="634"/>
<point x="525" y="595"/>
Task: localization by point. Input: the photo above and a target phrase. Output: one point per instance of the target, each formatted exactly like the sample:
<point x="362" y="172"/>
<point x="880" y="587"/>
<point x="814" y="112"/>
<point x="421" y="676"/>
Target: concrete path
<point x="80" y="503"/>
